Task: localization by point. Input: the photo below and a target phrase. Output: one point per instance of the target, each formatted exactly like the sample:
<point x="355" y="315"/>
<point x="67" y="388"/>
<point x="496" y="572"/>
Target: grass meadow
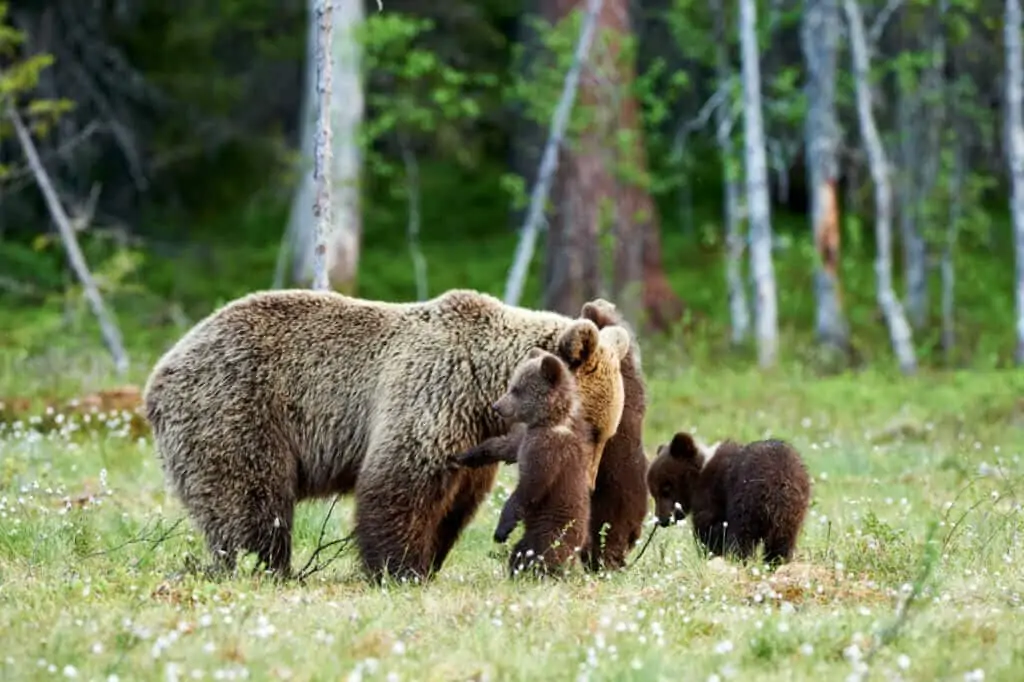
<point x="909" y="566"/>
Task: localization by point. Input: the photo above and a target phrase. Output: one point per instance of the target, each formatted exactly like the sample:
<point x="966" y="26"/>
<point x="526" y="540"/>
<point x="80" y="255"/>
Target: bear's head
<point x="595" y="358"/>
<point x="542" y="391"/>
<point x="673" y="477"/>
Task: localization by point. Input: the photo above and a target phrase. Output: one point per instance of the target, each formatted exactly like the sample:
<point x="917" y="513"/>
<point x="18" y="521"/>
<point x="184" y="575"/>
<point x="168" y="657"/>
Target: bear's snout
<point x="502" y="407"/>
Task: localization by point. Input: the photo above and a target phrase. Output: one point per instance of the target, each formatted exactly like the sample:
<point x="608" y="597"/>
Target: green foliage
<point x="423" y="97"/>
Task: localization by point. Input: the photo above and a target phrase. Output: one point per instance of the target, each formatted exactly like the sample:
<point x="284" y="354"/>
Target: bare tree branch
<point x="108" y="327"/>
<point x="881" y="21"/>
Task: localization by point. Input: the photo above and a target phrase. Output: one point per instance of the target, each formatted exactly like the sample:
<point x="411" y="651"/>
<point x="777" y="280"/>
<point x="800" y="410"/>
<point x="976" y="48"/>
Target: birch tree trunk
<point x="911" y="190"/>
<point x="899" y="329"/>
<point x="819" y="39"/>
<point x="758" y="207"/>
<point x="346" y="108"/>
<point x="1015" y="131"/>
<point x="108" y="326"/>
<point x="739" y="310"/>
<point x="946" y="268"/>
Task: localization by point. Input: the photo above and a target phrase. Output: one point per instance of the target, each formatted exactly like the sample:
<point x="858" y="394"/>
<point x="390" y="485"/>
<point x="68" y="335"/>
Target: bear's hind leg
<point x="779" y="548"/>
<point x="243" y="505"/>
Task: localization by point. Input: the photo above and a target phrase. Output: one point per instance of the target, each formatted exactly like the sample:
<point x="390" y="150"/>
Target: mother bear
<point x="281" y="396"/>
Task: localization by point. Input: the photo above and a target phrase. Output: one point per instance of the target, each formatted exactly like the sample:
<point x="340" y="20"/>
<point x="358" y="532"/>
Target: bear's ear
<point x="578" y="343"/>
<point x="618" y="339"/>
<point x="683" y="446"/>
<point x="551" y="368"/>
<point x="601" y="312"/>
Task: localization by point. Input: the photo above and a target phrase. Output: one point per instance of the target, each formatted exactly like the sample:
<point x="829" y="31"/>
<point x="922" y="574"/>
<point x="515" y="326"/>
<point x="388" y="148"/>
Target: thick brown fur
<point x="282" y="396"/>
<point x="552" y="497"/>
<point x="619" y="500"/>
<point x="737" y="495"/>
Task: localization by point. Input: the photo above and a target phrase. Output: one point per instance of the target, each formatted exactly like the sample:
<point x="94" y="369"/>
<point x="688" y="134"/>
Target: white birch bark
<point x="108" y="326"/>
<point x="346" y="109"/>
<point x="899" y="329"/>
<point x="758" y="207"/>
<point x="1015" y="133"/>
<point x="946" y="264"/>
<point x="819" y="40"/>
<point x="739" y="310"/>
<point x="913" y="191"/>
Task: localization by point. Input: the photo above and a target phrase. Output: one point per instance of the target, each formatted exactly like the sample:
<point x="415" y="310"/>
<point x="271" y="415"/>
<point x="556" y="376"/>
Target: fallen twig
<point x="650" y="536"/>
<point x="312" y="566"/>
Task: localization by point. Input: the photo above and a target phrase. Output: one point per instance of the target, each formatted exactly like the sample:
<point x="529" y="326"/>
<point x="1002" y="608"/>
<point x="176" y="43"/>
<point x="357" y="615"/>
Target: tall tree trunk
<point x="739" y="310"/>
<point x="947" y="269"/>
<point x="549" y="164"/>
<point x="346" y="103"/>
<point x="602" y="184"/>
<point x="899" y="329"/>
<point x="1015" y="131"/>
<point x="582" y="191"/>
<point x="915" y="268"/>
<point x="819" y="38"/>
<point x="759" y="210"/>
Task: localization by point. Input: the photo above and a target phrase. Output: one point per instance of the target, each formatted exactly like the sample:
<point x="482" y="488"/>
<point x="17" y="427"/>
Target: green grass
<point x="88" y="587"/>
<point x="92" y="554"/>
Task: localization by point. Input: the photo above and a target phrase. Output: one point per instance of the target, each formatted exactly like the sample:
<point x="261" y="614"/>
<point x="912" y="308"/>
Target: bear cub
<point x="553" y="446"/>
<point x="736" y="495"/>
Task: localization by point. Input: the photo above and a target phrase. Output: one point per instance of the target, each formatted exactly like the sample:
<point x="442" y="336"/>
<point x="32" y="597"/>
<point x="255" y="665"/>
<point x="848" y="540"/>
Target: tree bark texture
<point x="1015" y="132"/>
<point x="739" y="309"/>
<point x="345" y="106"/>
<point x="819" y="38"/>
<point x="549" y="164"/>
<point x="322" y="155"/>
<point x="758" y="207"/>
<point x="603" y="184"/>
<point x="899" y="328"/>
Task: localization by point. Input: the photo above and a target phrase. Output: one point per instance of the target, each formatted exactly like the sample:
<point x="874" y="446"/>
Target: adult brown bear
<point x="286" y="395"/>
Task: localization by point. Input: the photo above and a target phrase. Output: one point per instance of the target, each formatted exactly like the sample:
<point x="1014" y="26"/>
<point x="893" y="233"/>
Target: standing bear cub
<point x="618" y="503"/>
<point x="737" y="495"/>
<point x="554" y="451"/>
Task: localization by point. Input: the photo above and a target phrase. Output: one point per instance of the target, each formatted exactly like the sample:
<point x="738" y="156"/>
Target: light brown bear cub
<point x="737" y="495"/>
<point x="554" y="451"/>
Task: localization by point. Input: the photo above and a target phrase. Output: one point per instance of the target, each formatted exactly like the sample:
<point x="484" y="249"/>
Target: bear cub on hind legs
<point x="736" y="495"/>
<point x="552" y="496"/>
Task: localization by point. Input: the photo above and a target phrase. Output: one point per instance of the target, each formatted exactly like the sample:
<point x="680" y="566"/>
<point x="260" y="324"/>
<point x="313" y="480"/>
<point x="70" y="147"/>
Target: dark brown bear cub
<point x="737" y="495"/>
<point x="553" y="451"/>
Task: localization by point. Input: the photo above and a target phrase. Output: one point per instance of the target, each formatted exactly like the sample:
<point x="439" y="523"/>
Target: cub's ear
<point x="683" y="446"/>
<point x="601" y="312"/>
<point x="577" y="344"/>
<point x="535" y="353"/>
<point x="552" y="369"/>
<point x="618" y="339"/>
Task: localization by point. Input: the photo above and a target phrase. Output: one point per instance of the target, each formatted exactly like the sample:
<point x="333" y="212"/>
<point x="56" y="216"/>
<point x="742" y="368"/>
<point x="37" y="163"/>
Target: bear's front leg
<point x="498" y="449"/>
<point x="511" y="514"/>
